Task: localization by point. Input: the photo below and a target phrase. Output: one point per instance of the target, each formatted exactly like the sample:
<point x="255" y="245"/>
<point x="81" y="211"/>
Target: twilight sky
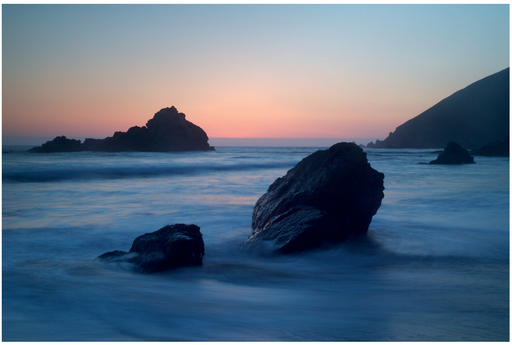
<point x="254" y="71"/>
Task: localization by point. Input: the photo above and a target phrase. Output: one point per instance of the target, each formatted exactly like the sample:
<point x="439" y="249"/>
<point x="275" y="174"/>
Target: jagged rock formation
<point x="326" y="198"/>
<point x="167" y="131"/>
<point x="453" y="154"/>
<point x="473" y="117"/>
<point x="170" y="247"/>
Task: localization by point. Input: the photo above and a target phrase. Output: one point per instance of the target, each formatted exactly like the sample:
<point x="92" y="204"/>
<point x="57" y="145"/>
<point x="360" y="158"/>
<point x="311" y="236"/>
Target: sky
<point x="241" y="71"/>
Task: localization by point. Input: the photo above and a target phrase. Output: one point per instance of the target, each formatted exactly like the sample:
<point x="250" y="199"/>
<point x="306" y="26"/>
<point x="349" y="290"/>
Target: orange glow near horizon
<point x="232" y="110"/>
<point x="229" y="121"/>
<point x="298" y="71"/>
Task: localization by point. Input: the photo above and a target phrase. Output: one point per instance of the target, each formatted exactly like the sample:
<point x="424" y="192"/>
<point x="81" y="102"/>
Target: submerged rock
<point x="326" y="198"/>
<point x="453" y="154"/>
<point x="170" y="247"/>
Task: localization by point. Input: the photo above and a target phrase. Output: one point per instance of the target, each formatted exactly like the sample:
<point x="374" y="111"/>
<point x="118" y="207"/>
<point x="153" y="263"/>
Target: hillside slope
<point x="472" y="117"/>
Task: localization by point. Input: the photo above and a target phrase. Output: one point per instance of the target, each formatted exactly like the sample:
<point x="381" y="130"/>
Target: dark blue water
<point x="435" y="268"/>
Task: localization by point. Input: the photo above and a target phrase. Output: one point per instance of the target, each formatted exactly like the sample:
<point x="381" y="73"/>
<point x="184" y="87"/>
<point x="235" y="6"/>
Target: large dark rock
<point x="171" y="132"/>
<point x="495" y="149"/>
<point x="474" y="116"/>
<point x="326" y="198"/>
<point x="171" y="247"/>
<point x="167" y="131"/>
<point x="59" y="144"/>
<point x="453" y="154"/>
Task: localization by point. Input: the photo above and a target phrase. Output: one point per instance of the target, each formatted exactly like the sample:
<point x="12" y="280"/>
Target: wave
<point x="35" y="174"/>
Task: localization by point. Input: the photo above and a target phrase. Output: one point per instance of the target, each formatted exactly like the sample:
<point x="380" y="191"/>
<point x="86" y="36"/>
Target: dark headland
<point x="167" y="131"/>
<point x="473" y="117"/>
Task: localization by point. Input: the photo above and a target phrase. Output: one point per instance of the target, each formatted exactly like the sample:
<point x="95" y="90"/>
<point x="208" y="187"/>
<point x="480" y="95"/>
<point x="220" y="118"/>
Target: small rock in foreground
<point x="170" y="247"/>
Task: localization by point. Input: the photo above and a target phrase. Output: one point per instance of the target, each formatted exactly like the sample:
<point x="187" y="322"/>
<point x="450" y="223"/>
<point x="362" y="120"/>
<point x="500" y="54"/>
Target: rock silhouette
<point x="453" y="154"/>
<point x="170" y="247"/>
<point x="495" y="149"/>
<point x="326" y="198"/>
<point x="59" y="144"/>
<point x="474" y="116"/>
<point x="167" y="131"/>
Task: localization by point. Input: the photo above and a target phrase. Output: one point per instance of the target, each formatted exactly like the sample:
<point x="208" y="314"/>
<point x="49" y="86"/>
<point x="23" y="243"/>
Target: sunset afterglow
<point x="253" y="71"/>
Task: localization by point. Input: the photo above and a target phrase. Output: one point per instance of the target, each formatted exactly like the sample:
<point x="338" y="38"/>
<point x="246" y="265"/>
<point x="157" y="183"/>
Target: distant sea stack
<point x="474" y="116"/>
<point x="167" y="131"/>
<point x="495" y="149"/>
<point x="59" y="144"/>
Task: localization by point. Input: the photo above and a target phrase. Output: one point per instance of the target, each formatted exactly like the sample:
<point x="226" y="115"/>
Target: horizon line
<point x="214" y="141"/>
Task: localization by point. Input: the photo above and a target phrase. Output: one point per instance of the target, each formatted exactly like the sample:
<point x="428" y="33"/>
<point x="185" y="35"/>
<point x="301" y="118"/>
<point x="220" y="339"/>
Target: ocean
<point x="434" y="266"/>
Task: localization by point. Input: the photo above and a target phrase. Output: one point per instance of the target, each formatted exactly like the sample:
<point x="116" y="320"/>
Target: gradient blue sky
<point x="255" y="71"/>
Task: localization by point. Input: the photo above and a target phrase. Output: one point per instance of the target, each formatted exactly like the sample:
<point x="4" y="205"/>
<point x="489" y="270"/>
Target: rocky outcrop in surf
<point x="495" y="149"/>
<point x="172" y="246"/>
<point x="326" y="198"/>
<point x="473" y="117"/>
<point x="453" y="154"/>
<point x="167" y="131"/>
<point x="59" y="144"/>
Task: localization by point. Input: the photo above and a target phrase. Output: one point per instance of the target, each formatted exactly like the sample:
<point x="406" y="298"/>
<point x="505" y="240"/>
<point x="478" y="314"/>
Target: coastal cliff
<point x="474" y="116"/>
